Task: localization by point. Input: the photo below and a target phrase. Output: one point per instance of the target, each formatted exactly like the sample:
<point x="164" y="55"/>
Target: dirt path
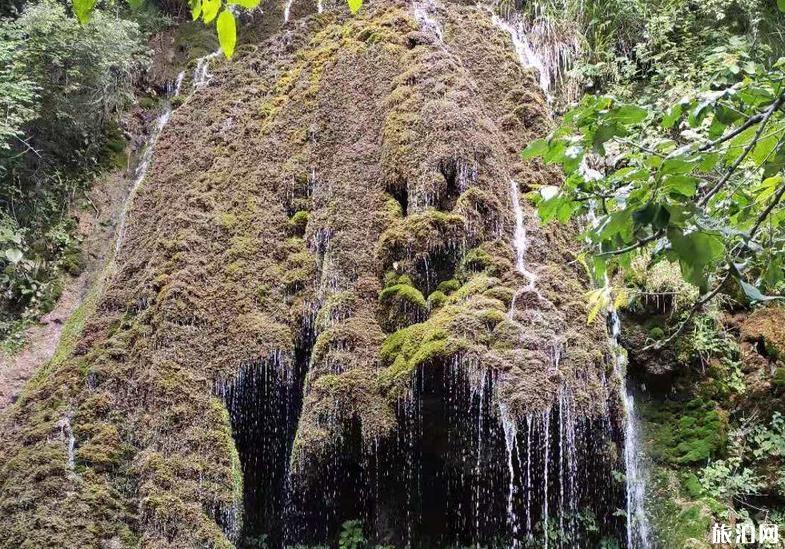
<point x="97" y="228"/>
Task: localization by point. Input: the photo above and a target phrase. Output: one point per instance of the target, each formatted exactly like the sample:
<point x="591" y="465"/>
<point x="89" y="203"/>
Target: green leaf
<point x="685" y="185"/>
<point x="83" y="9"/>
<point x="14" y="255"/>
<point x="247" y="4"/>
<point x="555" y="153"/>
<point x="196" y="9"/>
<point x="355" y="5"/>
<point x="538" y="147"/>
<point x="227" y="32"/>
<point x="696" y="252"/>
<point x="676" y="166"/>
<point x="767" y="188"/>
<point x="672" y="116"/>
<point x="753" y="293"/>
<point x="737" y="145"/>
<point x="781" y="5"/>
<point x="210" y="10"/>
<point x="766" y="145"/>
<point x="628" y="114"/>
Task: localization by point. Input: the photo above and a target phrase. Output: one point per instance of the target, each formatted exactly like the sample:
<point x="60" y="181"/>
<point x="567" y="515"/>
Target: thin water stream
<point x="201" y="77"/>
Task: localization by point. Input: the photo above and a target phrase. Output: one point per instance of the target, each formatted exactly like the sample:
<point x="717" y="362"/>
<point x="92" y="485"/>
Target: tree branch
<point x="766" y="116"/>
<point x="683" y="324"/>
<point x="639" y="244"/>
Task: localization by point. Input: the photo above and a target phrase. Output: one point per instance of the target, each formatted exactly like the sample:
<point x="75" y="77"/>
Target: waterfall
<point x="287" y="10"/>
<point x="423" y="13"/>
<point x="521" y="244"/>
<point x="68" y="435"/>
<point x="523" y="48"/>
<point x="637" y="522"/>
<point x="201" y="77"/>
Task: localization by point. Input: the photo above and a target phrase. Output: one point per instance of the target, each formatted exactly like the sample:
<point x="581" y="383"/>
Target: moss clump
<point x="148" y="102"/>
<point x="778" y="379"/>
<point x="476" y="260"/>
<point x="688" y="433"/>
<point x="436" y="300"/>
<point x="298" y="222"/>
<point x="677" y="521"/>
<point x="448" y="286"/>
<point x="403" y="292"/>
<point x="411" y="347"/>
<point x="402" y="303"/>
<point x="764" y="326"/>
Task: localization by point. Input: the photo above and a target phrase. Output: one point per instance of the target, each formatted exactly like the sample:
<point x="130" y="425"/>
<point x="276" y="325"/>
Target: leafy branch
<point x="221" y="12"/>
<point x="698" y="182"/>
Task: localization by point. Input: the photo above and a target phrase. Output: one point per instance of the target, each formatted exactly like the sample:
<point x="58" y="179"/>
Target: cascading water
<point x="637" y="522"/>
<point x="201" y="77"/>
<point x="521" y="245"/>
<point x="423" y="13"/>
<point x="440" y="479"/>
<point x="523" y="49"/>
<point x="287" y="10"/>
<point x="638" y="536"/>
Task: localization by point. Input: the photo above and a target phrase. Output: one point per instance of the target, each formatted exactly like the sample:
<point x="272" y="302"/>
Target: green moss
<point x="226" y="220"/>
<point x="476" y="260"/>
<point x="687" y="433"/>
<point x="778" y="379"/>
<point x="411" y="347"/>
<point x="678" y="521"/>
<point x="148" y="102"/>
<point x="298" y="222"/>
<point x="656" y="333"/>
<point x="403" y="292"/>
<point x="436" y="300"/>
<point x="448" y="286"/>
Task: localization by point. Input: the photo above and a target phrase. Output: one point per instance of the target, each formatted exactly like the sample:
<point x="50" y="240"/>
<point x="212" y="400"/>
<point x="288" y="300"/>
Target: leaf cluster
<point x="699" y="182"/>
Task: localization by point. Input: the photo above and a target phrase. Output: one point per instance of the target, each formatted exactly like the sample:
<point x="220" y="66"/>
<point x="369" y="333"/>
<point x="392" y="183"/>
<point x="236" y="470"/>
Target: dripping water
<point x="521" y="244"/>
<point x="68" y="434"/>
<point x="637" y="523"/>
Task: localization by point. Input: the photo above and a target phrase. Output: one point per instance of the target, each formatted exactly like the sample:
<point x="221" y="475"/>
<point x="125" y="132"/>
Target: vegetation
<point x="222" y="12"/>
<point x="676" y="160"/>
<point x="62" y="86"/>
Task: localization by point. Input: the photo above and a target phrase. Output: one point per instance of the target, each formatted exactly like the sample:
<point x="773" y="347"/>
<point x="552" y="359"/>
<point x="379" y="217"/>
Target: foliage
<point x="17" y="92"/>
<point x="352" y="536"/>
<point x="62" y="87"/>
<point x="726" y="479"/>
<point x="222" y="12"/>
<point x="84" y="76"/>
<point x="698" y="183"/>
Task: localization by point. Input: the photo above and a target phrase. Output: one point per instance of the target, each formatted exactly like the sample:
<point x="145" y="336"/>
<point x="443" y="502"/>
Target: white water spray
<point x="523" y="48"/>
<point x="521" y="243"/>
<point x="510" y="434"/>
<point x="287" y="10"/>
<point x="423" y="13"/>
<point x="68" y="435"/>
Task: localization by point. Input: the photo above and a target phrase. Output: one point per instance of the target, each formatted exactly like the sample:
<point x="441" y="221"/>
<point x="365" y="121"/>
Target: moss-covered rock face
<point x="335" y="203"/>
